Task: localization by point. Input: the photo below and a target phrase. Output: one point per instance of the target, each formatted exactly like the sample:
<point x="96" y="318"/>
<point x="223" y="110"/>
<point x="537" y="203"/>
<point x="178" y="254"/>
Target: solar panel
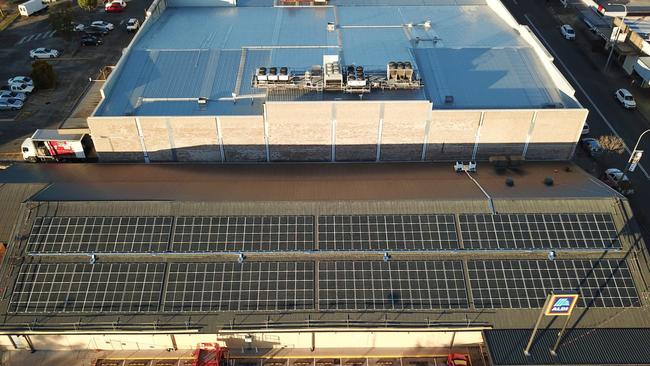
<point x="394" y="285"/>
<point x="525" y="283"/>
<point x="249" y="286"/>
<point x="387" y="232"/>
<point x="243" y="233"/>
<point x="538" y="231"/>
<point x="81" y="287"/>
<point x="99" y="234"/>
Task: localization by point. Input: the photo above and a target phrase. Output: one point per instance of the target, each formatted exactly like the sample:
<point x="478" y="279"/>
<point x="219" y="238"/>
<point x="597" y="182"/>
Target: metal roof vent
<point x="548" y="181"/>
<point x="330" y="27"/>
<point x="202" y="100"/>
<point x="510" y="182"/>
<point x="427" y="24"/>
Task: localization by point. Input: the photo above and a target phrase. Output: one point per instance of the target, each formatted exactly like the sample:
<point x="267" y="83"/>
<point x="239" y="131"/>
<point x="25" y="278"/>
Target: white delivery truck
<point x="30" y="7"/>
<point x="52" y="145"/>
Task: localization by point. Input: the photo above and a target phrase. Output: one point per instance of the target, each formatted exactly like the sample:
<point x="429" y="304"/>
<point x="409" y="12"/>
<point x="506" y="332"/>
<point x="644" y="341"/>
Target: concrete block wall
<point x="342" y="131"/>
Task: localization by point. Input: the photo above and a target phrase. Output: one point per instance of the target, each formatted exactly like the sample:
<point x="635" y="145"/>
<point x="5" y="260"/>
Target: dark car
<point x="95" y="32"/>
<point x="90" y="41"/>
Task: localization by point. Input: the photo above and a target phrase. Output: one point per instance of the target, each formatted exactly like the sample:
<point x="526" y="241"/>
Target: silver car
<point x="43" y="53"/>
<point x="10" y="104"/>
<point x="6" y="94"/>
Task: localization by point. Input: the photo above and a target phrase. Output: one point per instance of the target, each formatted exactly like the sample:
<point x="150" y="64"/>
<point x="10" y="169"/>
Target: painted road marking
<point x="584" y="92"/>
<point x="37" y="36"/>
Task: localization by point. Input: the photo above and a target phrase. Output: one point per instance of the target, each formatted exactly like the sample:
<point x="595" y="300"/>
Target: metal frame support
<point x="539" y="320"/>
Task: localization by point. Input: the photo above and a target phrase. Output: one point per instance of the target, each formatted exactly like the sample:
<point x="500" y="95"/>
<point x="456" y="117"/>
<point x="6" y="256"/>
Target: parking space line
<point x="22" y="40"/>
<point x="29" y="38"/>
<point x="584" y="92"/>
<point x="38" y="36"/>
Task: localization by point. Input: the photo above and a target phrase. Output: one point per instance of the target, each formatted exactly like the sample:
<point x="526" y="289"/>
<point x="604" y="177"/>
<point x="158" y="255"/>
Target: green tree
<point x="61" y="20"/>
<point x="87" y="5"/>
<point x="43" y="75"/>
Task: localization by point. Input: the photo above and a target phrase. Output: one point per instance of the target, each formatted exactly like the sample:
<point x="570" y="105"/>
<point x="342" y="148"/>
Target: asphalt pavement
<point x="584" y="68"/>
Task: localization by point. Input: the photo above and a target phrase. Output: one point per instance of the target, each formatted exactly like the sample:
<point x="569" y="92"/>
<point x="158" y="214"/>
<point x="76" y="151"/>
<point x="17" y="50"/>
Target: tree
<point x="87" y="5"/>
<point x="43" y="75"/>
<point x="612" y="144"/>
<point x="61" y="20"/>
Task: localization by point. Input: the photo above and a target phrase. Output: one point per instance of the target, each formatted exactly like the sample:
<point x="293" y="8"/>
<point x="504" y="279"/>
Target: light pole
<point x="633" y="153"/>
<point x="618" y="33"/>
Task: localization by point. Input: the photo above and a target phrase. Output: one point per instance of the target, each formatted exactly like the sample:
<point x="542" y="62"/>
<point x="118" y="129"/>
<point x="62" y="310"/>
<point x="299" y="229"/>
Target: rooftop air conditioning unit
<point x="202" y="100"/>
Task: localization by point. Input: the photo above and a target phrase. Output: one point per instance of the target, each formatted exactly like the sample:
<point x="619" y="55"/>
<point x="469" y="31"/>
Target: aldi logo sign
<point x="561" y="304"/>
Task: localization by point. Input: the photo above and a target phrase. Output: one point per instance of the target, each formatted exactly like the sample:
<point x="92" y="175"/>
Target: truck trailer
<point x="52" y="145"/>
<point x="30" y="7"/>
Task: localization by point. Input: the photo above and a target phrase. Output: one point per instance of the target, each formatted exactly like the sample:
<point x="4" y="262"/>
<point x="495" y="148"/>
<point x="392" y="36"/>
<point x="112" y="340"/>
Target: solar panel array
<point x="394" y="285"/>
<point x="99" y="234"/>
<point x="525" y="283"/>
<point x="387" y="232"/>
<point x="82" y="287"/>
<point x="250" y="286"/>
<point x="243" y="233"/>
<point x="538" y="231"/>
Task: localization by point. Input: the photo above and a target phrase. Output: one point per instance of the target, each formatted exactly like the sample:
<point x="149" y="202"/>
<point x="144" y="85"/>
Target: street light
<point x="618" y="32"/>
<point x="634" y="153"/>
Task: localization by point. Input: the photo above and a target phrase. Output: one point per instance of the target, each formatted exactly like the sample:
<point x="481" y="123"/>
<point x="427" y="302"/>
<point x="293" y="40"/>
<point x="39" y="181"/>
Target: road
<point x="594" y="89"/>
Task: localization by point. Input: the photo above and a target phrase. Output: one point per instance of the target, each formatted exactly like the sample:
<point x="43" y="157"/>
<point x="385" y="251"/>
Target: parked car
<point x="625" y="98"/>
<point x="618" y="180"/>
<point x="43" y="53"/>
<point x="114" y="8"/>
<point x="89" y="40"/>
<point x="132" y="25"/>
<point x="10" y="104"/>
<point x="121" y="3"/>
<point x="20" y="79"/>
<point x="95" y="32"/>
<point x="568" y="32"/>
<point x="102" y="24"/>
<point x="18" y="88"/>
<point x="6" y="94"/>
<point x="592" y="146"/>
<point x="585" y="129"/>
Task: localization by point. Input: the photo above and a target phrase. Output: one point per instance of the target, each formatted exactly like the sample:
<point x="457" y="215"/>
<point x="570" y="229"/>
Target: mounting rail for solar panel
<point x="318" y="253"/>
<point x="355" y="324"/>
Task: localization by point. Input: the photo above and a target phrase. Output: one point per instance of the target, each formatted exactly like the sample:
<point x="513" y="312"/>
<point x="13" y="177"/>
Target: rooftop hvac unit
<point x="261" y="74"/>
<point x="330" y="27"/>
<point x="399" y="71"/>
<point x="202" y="100"/>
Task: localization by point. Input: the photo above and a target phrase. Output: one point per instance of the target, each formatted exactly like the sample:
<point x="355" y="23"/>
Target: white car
<point x="568" y="32"/>
<point x="10" y="104"/>
<point x="122" y="3"/>
<point x="18" y="88"/>
<point x="618" y="180"/>
<point x="625" y="98"/>
<point x="6" y="94"/>
<point x="20" y="79"/>
<point x="43" y="53"/>
<point x="585" y="129"/>
<point x="132" y="25"/>
<point x="102" y="25"/>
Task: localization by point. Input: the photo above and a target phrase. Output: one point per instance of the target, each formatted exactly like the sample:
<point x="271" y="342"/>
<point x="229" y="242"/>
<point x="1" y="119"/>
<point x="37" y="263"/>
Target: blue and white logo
<point x="561" y="305"/>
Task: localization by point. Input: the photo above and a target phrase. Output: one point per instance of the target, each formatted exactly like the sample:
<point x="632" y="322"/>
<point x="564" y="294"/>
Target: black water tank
<point x="261" y="71"/>
<point x="273" y="71"/>
<point x="284" y="70"/>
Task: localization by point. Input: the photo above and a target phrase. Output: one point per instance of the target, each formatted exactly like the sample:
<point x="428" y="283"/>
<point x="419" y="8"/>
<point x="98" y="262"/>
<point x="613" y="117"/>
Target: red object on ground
<point x="210" y="354"/>
<point x="457" y="359"/>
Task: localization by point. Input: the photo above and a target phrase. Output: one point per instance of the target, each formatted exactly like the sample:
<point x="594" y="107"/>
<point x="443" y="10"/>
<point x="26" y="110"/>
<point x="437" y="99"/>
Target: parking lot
<point x="77" y="63"/>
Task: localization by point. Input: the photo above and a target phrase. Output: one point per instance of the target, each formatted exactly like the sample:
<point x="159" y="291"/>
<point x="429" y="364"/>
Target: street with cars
<point x="611" y="96"/>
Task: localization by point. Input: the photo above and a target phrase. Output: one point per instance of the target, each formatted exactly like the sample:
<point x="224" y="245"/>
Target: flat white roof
<point x="469" y="52"/>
